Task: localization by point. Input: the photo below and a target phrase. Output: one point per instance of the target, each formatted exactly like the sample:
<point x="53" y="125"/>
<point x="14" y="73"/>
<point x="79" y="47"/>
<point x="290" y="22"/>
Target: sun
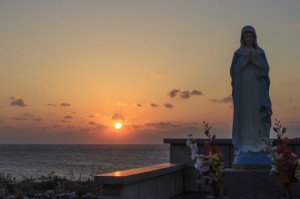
<point x="118" y="125"/>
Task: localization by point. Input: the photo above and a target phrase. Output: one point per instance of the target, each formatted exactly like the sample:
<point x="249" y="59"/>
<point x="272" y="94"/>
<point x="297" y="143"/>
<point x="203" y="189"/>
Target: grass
<point x="29" y="186"/>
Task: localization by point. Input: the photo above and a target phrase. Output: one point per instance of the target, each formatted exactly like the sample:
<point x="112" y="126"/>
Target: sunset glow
<point x="74" y="72"/>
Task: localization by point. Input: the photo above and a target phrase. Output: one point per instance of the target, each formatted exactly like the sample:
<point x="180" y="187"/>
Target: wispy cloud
<point x="138" y="105"/>
<point x="196" y="92"/>
<point x="160" y="74"/>
<point x="173" y="93"/>
<point x="117" y="116"/>
<point x="27" y="115"/>
<point x="20" y="118"/>
<point x="17" y="102"/>
<point x="50" y="104"/>
<point x="153" y="105"/>
<point x="92" y="123"/>
<point x="37" y="119"/>
<point x="68" y="117"/>
<point x="56" y="126"/>
<point x="64" y="104"/>
<point x="96" y="125"/>
<point x="183" y="94"/>
<point x="173" y="126"/>
<point x="63" y="121"/>
<point x="223" y="100"/>
<point x="167" y="105"/>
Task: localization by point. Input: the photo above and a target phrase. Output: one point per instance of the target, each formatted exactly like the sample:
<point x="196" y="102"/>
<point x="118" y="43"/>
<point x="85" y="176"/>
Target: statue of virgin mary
<point x="250" y="83"/>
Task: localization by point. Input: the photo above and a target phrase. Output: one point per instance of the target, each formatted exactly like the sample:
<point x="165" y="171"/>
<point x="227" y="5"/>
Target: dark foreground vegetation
<point x="51" y="186"/>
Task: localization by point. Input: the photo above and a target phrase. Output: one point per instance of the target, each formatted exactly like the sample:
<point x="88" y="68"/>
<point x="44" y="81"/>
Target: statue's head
<point x="248" y="37"/>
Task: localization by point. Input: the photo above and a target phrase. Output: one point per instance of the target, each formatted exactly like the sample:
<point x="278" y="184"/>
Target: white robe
<point x="252" y="105"/>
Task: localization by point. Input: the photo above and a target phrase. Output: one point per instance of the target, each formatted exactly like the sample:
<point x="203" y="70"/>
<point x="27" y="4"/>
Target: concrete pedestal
<point x="250" y="184"/>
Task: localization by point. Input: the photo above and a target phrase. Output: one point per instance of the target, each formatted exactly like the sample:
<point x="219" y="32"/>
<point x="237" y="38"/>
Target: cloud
<point x="173" y="93"/>
<point x="138" y="105"/>
<point x="20" y="118"/>
<point x="160" y="74"/>
<point x="96" y="125"/>
<point x="68" y="117"/>
<point x="92" y="123"/>
<point x="65" y="104"/>
<point x="91" y="116"/>
<point x="50" y="104"/>
<point x="117" y="116"/>
<point x="183" y="94"/>
<point x="27" y="115"/>
<point x="56" y="126"/>
<point x="224" y="100"/>
<point x="196" y="92"/>
<point x="136" y="126"/>
<point x="291" y="100"/>
<point x="172" y="127"/>
<point x="167" y="105"/>
<point x="17" y="102"/>
<point x="153" y="105"/>
<point x="160" y="124"/>
<point x="64" y="121"/>
<point x="37" y="119"/>
<point x="292" y="24"/>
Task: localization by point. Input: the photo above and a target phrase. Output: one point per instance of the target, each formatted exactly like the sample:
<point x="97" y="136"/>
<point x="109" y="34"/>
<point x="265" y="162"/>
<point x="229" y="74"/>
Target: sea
<point x="79" y="162"/>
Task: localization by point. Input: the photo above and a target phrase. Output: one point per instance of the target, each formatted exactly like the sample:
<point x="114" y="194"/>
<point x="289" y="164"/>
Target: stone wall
<point x="154" y="182"/>
<point x="236" y="183"/>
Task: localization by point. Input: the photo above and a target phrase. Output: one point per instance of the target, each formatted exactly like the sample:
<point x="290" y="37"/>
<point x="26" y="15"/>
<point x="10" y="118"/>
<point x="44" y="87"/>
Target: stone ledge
<point x="199" y="141"/>
<point x="294" y="141"/>
<point x="138" y="174"/>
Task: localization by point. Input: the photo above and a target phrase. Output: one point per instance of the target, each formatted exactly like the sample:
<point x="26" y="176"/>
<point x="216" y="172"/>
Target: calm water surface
<point x="84" y="160"/>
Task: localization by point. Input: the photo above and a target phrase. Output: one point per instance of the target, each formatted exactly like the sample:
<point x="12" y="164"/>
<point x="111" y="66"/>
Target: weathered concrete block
<point x="253" y="184"/>
<point x="148" y="189"/>
<point x="178" y="183"/>
<point x="163" y="187"/>
<point x="190" y="176"/>
<point x="130" y="191"/>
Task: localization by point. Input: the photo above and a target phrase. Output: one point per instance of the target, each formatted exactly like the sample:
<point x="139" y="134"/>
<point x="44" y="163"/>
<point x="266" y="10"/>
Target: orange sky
<point x="71" y="69"/>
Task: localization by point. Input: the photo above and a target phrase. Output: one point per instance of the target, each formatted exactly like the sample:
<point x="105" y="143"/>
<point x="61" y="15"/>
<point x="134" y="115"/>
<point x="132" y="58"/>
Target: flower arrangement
<point x="210" y="165"/>
<point x="285" y="163"/>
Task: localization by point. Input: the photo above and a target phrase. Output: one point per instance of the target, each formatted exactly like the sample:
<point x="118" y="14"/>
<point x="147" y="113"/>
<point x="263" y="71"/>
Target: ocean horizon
<point x="77" y="160"/>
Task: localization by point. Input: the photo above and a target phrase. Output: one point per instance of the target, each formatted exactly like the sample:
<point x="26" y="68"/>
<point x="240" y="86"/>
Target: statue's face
<point x="248" y="39"/>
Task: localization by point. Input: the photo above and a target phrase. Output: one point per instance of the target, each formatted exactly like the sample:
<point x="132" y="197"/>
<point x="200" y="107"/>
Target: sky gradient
<point x="71" y="69"/>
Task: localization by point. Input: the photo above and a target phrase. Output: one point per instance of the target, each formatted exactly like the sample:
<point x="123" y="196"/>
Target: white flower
<point x="193" y="155"/>
<point x="188" y="143"/>
<point x="205" y="169"/>
<point x="194" y="147"/>
<point x="199" y="164"/>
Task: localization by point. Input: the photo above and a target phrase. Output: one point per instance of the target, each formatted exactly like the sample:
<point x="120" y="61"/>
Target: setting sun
<point x="118" y="125"/>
